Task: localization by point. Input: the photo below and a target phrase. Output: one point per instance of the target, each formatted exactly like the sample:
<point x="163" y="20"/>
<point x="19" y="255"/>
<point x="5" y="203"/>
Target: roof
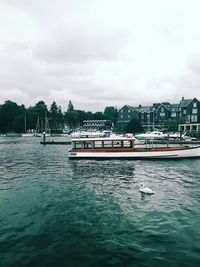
<point x="115" y="138"/>
<point x="174" y="105"/>
<point x="130" y="107"/>
<point x="144" y="108"/>
<point x="185" y="102"/>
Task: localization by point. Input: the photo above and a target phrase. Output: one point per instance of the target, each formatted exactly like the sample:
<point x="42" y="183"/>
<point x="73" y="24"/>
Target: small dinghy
<point x="145" y="190"/>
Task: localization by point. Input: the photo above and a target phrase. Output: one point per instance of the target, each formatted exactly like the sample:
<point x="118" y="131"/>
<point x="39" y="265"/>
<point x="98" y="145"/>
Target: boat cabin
<point x="102" y="144"/>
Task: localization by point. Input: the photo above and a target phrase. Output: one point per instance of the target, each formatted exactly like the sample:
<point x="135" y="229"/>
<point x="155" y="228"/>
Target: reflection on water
<point x="91" y="213"/>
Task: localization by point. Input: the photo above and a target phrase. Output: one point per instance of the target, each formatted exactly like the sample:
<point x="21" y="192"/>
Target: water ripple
<point x="91" y="213"/>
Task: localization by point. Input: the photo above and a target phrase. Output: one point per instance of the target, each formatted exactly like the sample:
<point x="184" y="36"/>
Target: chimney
<point x="182" y="98"/>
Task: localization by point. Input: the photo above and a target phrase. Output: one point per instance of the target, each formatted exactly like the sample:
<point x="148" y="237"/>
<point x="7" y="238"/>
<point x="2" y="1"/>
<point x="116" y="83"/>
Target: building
<point x="189" y="115"/>
<point x="125" y="115"/>
<point x="98" y="125"/>
<point x="186" y="113"/>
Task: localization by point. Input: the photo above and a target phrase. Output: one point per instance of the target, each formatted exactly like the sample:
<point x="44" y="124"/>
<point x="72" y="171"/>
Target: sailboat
<point x="26" y="134"/>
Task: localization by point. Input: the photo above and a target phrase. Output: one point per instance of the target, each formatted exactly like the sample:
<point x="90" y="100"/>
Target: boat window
<point x="87" y="144"/>
<point x="128" y="143"/>
<point x="107" y="144"/>
<point x="77" y="145"/>
<point x="117" y="143"/>
<point x="98" y="144"/>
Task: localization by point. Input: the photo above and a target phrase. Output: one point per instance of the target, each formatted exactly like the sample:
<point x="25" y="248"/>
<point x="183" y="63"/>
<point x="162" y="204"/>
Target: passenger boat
<point x="125" y="148"/>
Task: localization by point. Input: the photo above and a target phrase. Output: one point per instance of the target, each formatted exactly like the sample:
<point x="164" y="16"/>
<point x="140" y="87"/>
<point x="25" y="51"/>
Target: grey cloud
<point x="80" y="45"/>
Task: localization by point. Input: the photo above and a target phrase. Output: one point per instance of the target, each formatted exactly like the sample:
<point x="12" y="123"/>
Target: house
<point x="161" y="113"/>
<point x="97" y="124"/>
<point x="125" y="115"/>
<point x="174" y="110"/>
<point x="146" y="116"/>
<point x="186" y="113"/>
<point x="189" y="115"/>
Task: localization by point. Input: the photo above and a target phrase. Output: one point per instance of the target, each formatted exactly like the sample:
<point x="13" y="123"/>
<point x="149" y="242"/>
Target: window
<point x="98" y="144"/>
<point x="129" y="116"/>
<point x="121" y="110"/>
<point x="77" y="145"/>
<point x="194" y="127"/>
<point x="194" y="104"/>
<point x="121" y="116"/>
<point x="129" y="110"/>
<point x="194" y="111"/>
<point x="162" y="109"/>
<point x="187" y="118"/>
<point x="128" y="143"/>
<point x="107" y="144"/>
<point x="173" y="114"/>
<point x="87" y="144"/>
<point x="194" y="118"/>
<point x="117" y="144"/>
<point x="184" y="111"/>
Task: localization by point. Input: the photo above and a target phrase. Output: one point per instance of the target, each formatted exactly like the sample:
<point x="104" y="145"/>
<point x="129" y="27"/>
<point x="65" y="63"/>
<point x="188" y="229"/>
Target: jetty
<point x="55" y="142"/>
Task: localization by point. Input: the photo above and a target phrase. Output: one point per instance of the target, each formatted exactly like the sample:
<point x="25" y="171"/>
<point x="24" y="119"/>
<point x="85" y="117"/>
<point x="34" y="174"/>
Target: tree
<point x="98" y="116"/>
<point x="54" y="115"/>
<point x="70" y="106"/>
<point x="171" y="125"/>
<point x="40" y="108"/>
<point x="111" y="113"/>
<point x="72" y="118"/>
<point x="134" y="126"/>
<point x="9" y="111"/>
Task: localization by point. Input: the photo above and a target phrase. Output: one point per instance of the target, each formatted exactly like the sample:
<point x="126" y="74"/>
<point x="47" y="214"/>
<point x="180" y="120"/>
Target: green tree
<point x="9" y="111"/>
<point x="72" y="118"/>
<point x="171" y="125"/>
<point x="70" y="106"/>
<point x="111" y="113"/>
<point x="134" y="126"/>
<point x="54" y="116"/>
<point x="98" y="116"/>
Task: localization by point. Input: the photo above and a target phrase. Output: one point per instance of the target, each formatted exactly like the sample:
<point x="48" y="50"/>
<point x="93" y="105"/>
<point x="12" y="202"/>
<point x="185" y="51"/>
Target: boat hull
<point x="192" y="152"/>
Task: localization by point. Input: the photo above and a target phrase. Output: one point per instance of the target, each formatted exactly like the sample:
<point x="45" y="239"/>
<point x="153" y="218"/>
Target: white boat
<point x="28" y="134"/>
<point x="179" y="136"/>
<point x="151" y="135"/>
<point x="85" y="134"/>
<point x="124" y="148"/>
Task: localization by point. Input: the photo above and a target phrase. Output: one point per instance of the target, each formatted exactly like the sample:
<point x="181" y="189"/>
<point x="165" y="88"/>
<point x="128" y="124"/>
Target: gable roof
<point x="143" y="108"/>
<point x="130" y="107"/>
<point x="185" y="102"/>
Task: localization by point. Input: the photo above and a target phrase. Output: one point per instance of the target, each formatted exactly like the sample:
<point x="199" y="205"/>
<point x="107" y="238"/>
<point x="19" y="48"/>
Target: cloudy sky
<point x="98" y="53"/>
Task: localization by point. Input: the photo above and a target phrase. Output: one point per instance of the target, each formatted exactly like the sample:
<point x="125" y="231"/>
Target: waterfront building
<point x="125" y="115"/>
<point x="97" y="124"/>
<point x="189" y="115"/>
<point x="186" y="113"/>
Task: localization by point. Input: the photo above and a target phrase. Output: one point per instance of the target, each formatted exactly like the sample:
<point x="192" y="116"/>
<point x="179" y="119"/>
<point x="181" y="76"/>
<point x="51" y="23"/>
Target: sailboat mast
<point x="25" y="124"/>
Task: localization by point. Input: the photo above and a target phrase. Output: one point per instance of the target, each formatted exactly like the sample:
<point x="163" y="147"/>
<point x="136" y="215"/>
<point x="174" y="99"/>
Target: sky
<point x="99" y="53"/>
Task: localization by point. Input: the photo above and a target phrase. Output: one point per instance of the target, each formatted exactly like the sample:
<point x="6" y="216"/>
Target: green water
<point x="56" y="212"/>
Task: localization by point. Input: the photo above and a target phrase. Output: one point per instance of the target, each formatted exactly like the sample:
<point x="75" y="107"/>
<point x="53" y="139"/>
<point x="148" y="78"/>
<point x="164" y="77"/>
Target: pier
<point x="55" y="142"/>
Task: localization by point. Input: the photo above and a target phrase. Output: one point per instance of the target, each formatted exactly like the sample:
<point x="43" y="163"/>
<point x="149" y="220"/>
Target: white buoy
<point x="145" y="190"/>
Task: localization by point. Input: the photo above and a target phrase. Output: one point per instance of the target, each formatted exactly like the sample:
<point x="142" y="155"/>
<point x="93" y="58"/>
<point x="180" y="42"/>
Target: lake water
<point x="56" y="212"/>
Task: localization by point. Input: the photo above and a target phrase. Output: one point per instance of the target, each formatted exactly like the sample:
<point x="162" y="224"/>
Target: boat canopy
<point x="101" y="143"/>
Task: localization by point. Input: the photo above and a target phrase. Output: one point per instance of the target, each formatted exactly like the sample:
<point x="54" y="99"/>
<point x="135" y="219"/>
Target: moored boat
<point x="125" y="148"/>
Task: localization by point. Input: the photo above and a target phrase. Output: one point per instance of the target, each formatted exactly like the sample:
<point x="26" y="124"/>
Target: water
<point x="56" y="212"/>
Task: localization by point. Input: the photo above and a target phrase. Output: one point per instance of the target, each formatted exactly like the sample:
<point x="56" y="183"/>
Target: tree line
<point x="18" y="118"/>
